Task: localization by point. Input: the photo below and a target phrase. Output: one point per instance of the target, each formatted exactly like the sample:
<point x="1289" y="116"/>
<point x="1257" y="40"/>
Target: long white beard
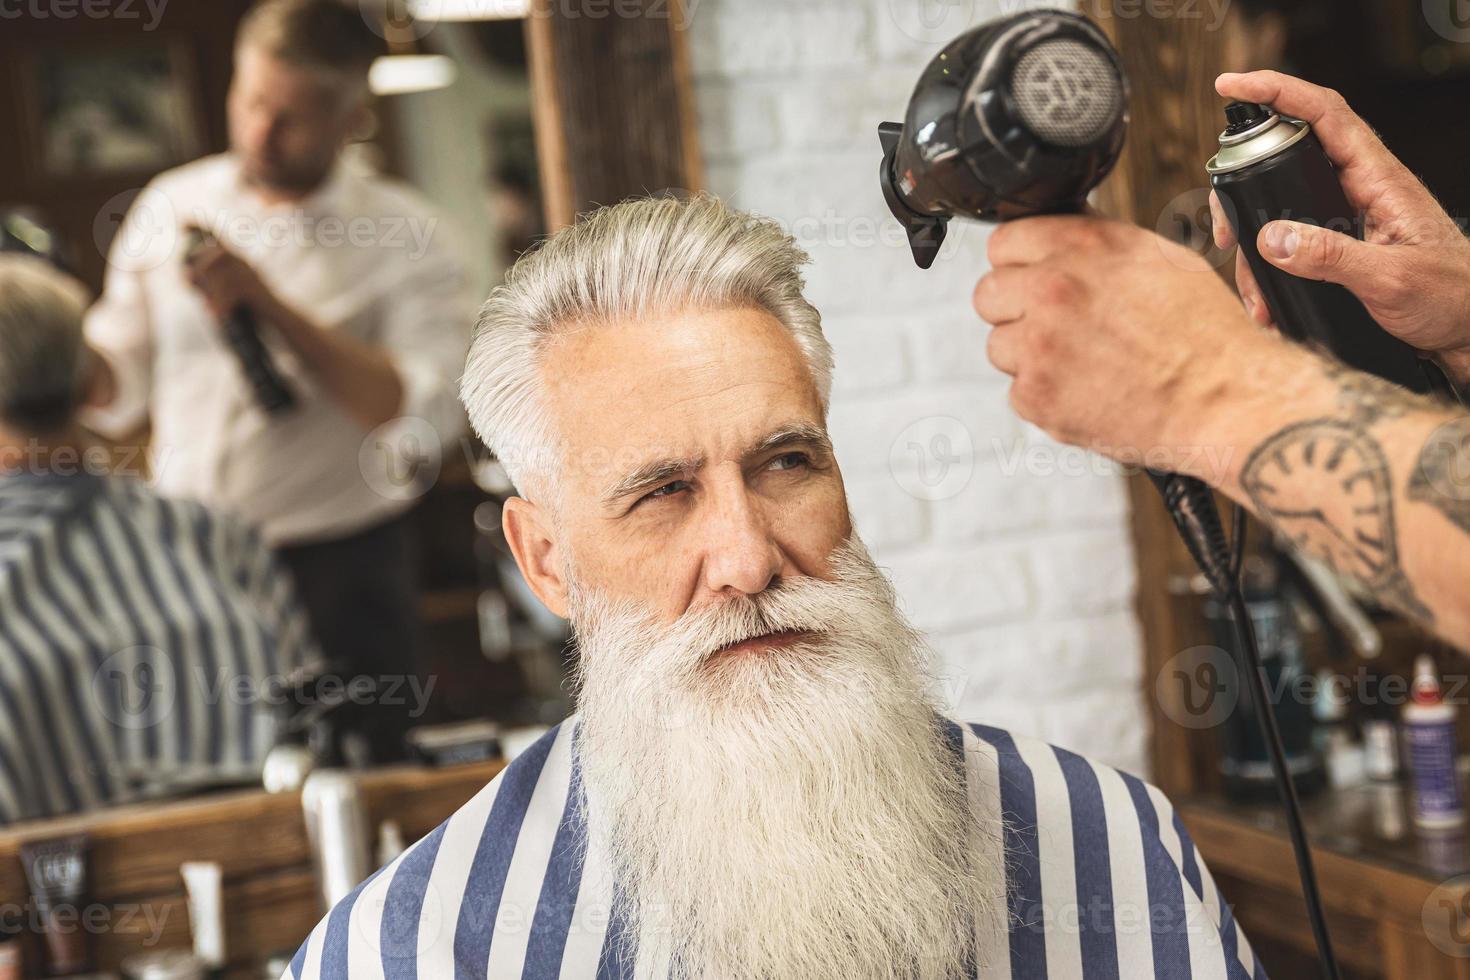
<point x="790" y="815"/>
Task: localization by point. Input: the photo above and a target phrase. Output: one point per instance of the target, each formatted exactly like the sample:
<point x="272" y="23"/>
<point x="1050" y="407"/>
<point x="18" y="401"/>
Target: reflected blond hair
<point x="321" y="35"/>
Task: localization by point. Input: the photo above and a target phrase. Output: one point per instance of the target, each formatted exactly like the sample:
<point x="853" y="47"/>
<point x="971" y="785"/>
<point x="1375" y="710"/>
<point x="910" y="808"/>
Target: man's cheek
<point x="658" y="572"/>
<point x="814" y="524"/>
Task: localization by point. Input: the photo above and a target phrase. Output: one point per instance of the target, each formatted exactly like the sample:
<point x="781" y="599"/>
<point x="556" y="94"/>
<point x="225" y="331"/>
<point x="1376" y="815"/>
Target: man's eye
<point x="667" y="490"/>
<point x="790" y="461"/>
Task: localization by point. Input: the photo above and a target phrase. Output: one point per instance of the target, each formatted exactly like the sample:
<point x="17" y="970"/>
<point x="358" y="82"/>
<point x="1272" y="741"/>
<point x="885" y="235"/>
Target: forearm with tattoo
<point x="1376" y="484"/>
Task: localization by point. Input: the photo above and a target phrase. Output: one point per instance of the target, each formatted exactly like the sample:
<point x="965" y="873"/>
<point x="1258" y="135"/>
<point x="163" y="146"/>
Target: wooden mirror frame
<point x="613" y="103"/>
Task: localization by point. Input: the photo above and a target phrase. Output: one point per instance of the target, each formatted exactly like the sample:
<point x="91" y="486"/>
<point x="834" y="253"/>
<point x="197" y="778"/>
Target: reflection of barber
<point x="360" y="300"/>
<point x="1127" y="343"/>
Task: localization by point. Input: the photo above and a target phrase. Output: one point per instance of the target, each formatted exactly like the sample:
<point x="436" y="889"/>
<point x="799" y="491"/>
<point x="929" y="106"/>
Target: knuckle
<point x="980" y="293"/>
<point x="996" y="339"/>
<point x="997" y="247"/>
<point x="1057" y="288"/>
<point x="1087" y="235"/>
<point x="1333" y="99"/>
<point x="1039" y="345"/>
<point x="1322" y="248"/>
<point x="995" y="347"/>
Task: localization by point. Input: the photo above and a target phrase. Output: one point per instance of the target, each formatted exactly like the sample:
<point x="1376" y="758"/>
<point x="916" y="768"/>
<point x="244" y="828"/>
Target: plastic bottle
<point x="1433" y="750"/>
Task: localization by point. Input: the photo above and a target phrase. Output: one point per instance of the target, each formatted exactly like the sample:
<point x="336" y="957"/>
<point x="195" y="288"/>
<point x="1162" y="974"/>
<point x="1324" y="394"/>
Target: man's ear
<point x="529" y="534"/>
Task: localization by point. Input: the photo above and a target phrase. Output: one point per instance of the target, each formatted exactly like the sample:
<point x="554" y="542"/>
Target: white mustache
<point x="785" y="608"/>
<point x="801" y="604"/>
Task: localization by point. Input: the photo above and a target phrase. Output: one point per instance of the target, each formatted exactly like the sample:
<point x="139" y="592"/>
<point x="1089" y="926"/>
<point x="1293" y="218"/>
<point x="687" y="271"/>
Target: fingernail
<point x="1281" y="240"/>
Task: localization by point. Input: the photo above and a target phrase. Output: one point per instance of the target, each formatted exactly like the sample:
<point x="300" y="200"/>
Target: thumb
<point x="1313" y="252"/>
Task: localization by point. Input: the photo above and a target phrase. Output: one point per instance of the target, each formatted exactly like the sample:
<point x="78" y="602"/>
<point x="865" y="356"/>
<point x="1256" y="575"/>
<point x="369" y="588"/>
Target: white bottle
<point x="1430" y="735"/>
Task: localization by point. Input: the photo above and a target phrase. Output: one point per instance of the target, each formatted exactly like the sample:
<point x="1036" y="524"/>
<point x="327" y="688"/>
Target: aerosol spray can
<point x="242" y="334"/>
<point x="1432" y="743"/>
<point x="1271" y="168"/>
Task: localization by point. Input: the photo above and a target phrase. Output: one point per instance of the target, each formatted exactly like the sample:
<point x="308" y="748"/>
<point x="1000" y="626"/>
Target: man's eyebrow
<point x="651" y="475"/>
<point x="656" y="473"/>
<point x="793" y="433"/>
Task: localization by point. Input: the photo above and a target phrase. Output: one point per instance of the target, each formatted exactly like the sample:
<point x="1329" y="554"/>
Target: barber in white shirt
<point x="361" y="300"/>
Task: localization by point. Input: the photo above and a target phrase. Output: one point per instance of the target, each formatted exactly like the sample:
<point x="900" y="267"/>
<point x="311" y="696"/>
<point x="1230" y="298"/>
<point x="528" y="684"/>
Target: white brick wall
<point x="1011" y="552"/>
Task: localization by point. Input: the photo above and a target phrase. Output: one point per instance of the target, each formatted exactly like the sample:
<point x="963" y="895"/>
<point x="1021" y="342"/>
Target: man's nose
<point x="261" y="134"/>
<point x="740" y="554"/>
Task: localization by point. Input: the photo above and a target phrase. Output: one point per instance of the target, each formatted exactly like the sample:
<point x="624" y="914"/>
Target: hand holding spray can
<point x="1271" y="168"/>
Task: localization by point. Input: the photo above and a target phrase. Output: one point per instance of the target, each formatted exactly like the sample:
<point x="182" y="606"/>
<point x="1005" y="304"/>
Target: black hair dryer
<point x="1022" y="115"/>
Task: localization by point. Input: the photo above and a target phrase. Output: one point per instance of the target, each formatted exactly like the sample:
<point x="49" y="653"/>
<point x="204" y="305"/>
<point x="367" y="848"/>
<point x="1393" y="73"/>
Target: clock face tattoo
<point x="1347" y="521"/>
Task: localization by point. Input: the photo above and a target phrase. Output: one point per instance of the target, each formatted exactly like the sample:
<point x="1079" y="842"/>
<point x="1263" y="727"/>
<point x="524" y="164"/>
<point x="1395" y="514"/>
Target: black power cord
<point x="1191" y="505"/>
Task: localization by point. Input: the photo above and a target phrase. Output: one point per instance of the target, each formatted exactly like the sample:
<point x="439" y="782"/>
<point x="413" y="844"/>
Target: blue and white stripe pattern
<point x="136" y="634"/>
<point x="1104" y="882"/>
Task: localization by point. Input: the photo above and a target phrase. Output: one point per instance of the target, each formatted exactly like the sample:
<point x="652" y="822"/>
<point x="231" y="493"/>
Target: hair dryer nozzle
<point x="925" y="231"/>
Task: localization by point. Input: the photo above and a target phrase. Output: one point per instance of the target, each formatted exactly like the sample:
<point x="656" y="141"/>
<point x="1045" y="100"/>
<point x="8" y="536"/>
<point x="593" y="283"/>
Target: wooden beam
<point x="613" y="104"/>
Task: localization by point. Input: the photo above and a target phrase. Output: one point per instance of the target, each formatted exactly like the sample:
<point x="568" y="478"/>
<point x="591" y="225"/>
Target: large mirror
<point x="240" y="509"/>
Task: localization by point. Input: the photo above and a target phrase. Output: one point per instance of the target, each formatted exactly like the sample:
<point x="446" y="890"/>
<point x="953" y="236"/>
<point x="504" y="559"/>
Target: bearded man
<point x="757" y="784"/>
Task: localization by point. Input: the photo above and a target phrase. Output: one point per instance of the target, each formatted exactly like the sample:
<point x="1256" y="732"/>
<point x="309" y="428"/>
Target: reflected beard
<point x="792" y="813"/>
<point x="281" y="179"/>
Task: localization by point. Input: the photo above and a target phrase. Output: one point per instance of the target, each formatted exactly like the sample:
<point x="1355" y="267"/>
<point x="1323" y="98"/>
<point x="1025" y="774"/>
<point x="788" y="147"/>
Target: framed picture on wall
<point x="111" y="111"/>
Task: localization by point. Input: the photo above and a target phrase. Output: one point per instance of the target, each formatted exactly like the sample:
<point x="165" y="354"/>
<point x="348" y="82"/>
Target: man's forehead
<point x="700" y="384"/>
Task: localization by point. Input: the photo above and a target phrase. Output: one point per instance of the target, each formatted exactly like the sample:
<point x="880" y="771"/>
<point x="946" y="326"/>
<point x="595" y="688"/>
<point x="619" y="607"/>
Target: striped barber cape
<point x="1104" y="882"/>
<point x="138" y="635"/>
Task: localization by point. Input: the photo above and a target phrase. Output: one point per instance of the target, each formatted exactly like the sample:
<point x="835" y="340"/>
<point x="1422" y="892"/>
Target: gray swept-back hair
<point x="640" y="258"/>
<point x="41" y="363"/>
